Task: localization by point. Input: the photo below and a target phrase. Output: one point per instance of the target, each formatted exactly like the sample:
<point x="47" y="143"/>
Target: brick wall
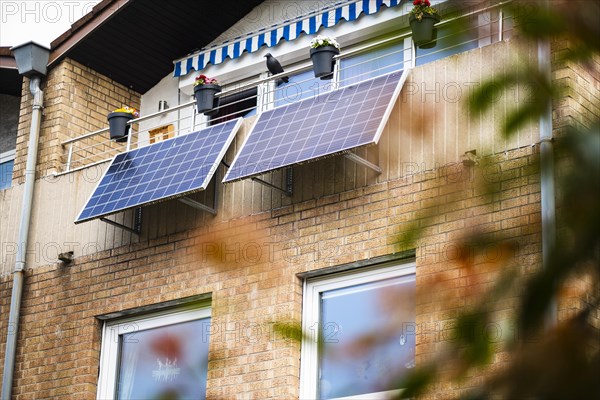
<point x="76" y="101"/>
<point x="580" y="102"/>
<point x="250" y="264"/>
<point x="578" y="107"/>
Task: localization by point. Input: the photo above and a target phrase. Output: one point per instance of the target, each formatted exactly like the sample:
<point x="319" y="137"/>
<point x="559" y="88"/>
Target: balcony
<point x="482" y="27"/>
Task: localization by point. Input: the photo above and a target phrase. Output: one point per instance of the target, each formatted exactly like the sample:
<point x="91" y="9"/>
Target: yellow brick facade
<point x="77" y="100"/>
<point x="250" y="265"/>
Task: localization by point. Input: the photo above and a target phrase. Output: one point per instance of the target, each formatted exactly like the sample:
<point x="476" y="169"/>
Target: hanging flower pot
<point x="117" y="123"/>
<point x="422" y="19"/>
<point x="322" y="51"/>
<point x="424" y="33"/>
<point x="205" y="90"/>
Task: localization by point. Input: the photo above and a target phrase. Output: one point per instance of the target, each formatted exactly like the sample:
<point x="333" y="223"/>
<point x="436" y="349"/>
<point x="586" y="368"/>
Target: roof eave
<point x="101" y="13"/>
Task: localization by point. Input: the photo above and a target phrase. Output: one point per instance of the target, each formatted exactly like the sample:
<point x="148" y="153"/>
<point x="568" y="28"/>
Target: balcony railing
<point x="263" y="92"/>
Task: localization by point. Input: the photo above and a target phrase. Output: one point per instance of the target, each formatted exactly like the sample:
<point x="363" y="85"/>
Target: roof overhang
<point x="134" y="42"/>
<point x="10" y="80"/>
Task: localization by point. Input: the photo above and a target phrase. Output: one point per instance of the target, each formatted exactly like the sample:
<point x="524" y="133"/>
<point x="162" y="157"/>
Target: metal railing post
<point x="500" y="25"/>
<point x="129" y="135"/>
<point x="69" y="158"/>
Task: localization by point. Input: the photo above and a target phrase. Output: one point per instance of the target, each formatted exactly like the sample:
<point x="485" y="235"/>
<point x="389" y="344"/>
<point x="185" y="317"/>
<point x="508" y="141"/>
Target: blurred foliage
<point x="541" y="360"/>
<point x="545" y="361"/>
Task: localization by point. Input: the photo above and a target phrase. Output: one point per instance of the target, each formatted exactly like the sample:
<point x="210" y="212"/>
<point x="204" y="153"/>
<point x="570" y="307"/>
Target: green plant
<point x="422" y="8"/>
<point x="205" y="80"/>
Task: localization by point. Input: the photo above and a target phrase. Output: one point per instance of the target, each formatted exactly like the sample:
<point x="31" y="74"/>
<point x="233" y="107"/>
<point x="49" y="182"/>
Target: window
<point x="161" y="133"/>
<point x="158" y="356"/>
<point x="300" y="86"/>
<point x="374" y="62"/>
<point x="7" y="161"/>
<point x="370" y="64"/>
<point x="239" y="104"/>
<point x="345" y="311"/>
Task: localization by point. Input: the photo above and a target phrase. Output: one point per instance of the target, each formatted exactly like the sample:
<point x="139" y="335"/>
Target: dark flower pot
<point x="205" y="97"/>
<point x="322" y="59"/>
<point x="424" y="33"/>
<point x="117" y="123"/>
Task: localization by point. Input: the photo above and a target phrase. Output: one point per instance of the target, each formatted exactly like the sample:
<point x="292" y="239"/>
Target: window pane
<point x="169" y="362"/>
<point x="300" y="86"/>
<point x="368" y="337"/>
<point x="6" y="170"/>
<point x="373" y="63"/>
<point x="239" y="104"/>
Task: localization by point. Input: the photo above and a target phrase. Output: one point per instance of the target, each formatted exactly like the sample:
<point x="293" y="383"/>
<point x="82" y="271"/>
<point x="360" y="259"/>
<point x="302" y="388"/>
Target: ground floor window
<point x="360" y="329"/>
<point x="156" y="356"/>
<point x="7" y="161"/>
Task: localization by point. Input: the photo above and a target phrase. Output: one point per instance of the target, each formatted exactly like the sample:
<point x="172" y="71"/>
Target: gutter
<point x="18" y="275"/>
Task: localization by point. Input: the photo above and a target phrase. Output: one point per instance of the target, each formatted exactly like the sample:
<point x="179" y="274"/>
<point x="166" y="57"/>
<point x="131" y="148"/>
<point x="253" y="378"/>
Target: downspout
<point x="548" y="193"/>
<point x="17" y="289"/>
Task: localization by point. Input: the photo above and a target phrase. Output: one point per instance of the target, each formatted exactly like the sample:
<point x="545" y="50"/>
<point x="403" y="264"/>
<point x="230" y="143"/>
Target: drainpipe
<point x="17" y="289"/>
<point x="547" y="173"/>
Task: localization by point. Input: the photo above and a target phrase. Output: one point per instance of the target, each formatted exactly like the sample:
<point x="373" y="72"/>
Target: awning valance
<point x="289" y="30"/>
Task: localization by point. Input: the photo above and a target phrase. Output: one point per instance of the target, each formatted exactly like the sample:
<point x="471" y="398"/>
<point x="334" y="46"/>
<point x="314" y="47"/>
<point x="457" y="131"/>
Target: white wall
<point x="166" y="90"/>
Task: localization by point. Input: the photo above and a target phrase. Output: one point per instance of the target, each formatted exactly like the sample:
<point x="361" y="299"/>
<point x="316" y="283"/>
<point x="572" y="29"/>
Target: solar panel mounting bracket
<point x="137" y="222"/>
<point x="203" y="207"/>
<point x="359" y="160"/>
<point x="289" y="183"/>
<point x="197" y="205"/>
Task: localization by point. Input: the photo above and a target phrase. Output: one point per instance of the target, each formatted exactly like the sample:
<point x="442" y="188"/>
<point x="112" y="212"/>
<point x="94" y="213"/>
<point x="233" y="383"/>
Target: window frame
<point x="5" y="157"/>
<point x="112" y="329"/>
<point x="311" y="315"/>
<point x="161" y="133"/>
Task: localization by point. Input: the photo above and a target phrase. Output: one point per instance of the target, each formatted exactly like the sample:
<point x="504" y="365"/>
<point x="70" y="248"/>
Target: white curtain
<point x="130" y="354"/>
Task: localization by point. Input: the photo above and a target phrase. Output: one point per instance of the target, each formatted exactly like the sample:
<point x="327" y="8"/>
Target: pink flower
<point x="205" y="80"/>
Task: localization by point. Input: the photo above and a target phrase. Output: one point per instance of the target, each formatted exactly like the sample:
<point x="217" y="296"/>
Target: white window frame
<point x="311" y="310"/>
<point x="6" y="157"/>
<point x="112" y="330"/>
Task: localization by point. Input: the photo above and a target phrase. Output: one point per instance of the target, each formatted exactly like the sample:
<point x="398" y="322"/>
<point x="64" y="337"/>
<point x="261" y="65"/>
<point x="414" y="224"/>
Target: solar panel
<point x="324" y="125"/>
<point x="164" y="170"/>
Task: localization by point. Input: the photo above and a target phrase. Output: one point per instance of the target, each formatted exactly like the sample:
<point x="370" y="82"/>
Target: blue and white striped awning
<point x="289" y="30"/>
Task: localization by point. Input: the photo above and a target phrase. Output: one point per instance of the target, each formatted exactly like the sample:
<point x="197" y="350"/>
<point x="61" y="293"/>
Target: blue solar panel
<point x="317" y="127"/>
<point x="164" y="170"/>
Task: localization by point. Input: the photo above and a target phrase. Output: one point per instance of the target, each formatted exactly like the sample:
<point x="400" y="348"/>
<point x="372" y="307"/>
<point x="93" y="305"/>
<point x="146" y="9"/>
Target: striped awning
<point x="289" y="30"/>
